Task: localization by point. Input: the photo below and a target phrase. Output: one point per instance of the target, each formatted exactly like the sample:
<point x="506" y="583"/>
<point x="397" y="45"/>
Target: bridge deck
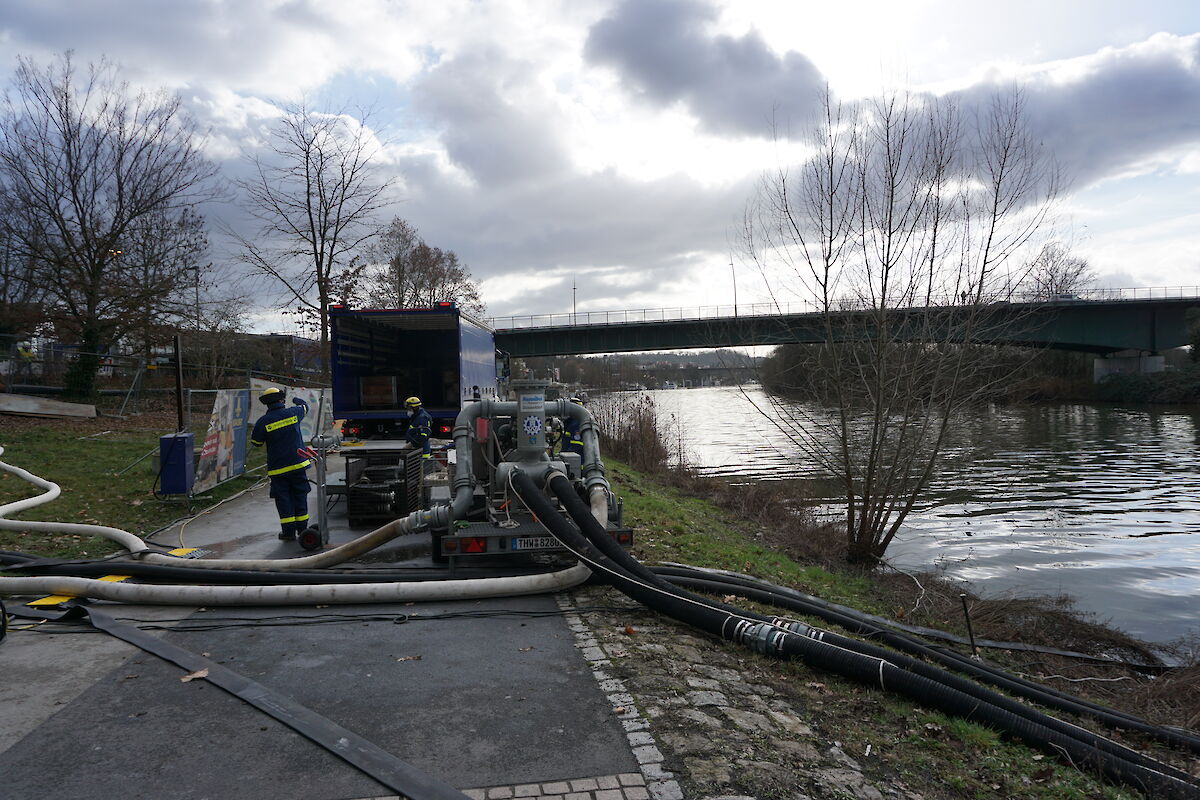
<point x="1087" y="325"/>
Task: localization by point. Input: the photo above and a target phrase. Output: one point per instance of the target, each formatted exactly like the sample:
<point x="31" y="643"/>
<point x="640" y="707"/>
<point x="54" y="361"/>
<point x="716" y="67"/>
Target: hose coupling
<point x="760" y="637"/>
<point x="595" y="477"/>
<point x="436" y="517"/>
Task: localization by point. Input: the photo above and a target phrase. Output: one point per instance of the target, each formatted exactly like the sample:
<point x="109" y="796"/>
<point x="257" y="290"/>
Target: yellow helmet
<point x="413" y="401"/>
<point x="271" y="395"/>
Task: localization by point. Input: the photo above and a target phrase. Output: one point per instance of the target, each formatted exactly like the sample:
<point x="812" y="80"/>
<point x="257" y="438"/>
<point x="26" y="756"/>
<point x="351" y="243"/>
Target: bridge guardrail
<point x="688" y="313"/>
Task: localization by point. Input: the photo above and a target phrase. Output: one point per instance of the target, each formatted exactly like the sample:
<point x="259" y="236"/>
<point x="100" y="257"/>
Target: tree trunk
<point x="324" y="337"/>
<point x="81" y="376"/>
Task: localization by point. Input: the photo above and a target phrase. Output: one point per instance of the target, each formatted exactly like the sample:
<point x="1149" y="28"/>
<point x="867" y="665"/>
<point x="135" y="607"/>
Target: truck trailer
<point x="379" y="357"/>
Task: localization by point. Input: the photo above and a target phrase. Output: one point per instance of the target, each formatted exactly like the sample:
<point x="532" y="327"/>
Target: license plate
<point x="534" y="542"/>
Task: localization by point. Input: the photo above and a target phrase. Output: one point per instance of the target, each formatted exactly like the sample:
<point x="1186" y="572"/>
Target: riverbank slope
<point x="892" y="745"/>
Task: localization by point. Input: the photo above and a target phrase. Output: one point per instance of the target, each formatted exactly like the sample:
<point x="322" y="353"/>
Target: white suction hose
<point x="135" y="545"/>
<point x="261" y="595"/>
<point x="413" y="522"/>
<point x="129" y="541"/>
<point x="310" y="594"/>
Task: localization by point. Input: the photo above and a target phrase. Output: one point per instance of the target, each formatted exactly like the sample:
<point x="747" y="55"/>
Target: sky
<point x="600" y="155"/>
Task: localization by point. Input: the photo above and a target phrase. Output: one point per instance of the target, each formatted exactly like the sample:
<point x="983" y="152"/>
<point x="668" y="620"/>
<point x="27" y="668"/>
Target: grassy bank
<point x="92" y="461"/>
<point x="682" y="519"/>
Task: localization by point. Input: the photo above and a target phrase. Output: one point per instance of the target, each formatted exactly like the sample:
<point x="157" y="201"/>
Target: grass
<point x="675" y="525"/>
<point x="85" y="457"/>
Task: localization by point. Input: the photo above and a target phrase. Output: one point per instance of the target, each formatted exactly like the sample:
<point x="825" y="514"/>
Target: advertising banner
<point x="223" y="454"/>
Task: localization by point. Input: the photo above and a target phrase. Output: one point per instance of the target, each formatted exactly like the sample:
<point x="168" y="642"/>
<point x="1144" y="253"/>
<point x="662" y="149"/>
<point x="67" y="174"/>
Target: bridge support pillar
<point x="1127" y="362"/>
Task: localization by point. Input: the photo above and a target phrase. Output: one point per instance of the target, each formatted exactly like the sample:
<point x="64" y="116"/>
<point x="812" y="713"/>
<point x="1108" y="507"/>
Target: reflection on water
<point x="1096" y="502"/>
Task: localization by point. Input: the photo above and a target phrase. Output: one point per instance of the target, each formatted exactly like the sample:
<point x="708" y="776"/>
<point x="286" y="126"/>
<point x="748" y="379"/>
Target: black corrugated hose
<point x="1159" y="780"/>
<point x="895" y="625"/>
<point x="1045" y="695"/>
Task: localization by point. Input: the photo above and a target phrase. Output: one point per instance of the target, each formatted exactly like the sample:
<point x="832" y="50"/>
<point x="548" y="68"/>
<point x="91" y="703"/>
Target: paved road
<point x="504" y="700"/>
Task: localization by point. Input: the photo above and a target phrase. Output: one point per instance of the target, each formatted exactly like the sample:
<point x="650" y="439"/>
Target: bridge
<point x="1104" y="322"/>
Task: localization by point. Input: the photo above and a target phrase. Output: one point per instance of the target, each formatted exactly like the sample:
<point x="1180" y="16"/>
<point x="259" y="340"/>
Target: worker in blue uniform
<point x="279" y="430"/>
<point x="571" y="443"/>
<point x="420" y="428"/>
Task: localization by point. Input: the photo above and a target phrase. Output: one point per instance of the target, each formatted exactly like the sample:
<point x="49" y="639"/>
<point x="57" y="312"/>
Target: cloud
<point x="275" y="48"/>
<point x="572" y="221"/>
<point x="613" y="142"/>
<point x="495" y="124"/>
<point x="734" y="85"/>
<point x="1116" y="112"/>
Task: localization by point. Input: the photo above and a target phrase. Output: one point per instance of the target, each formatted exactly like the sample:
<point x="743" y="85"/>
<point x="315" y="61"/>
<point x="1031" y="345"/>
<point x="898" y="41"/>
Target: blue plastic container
<point x="177" y="469"/>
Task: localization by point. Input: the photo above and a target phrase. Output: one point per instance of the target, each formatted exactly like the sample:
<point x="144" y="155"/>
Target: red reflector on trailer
<point x="624" y="538"/>
<point x="474" y="544"/>
<point x="443" y="428"/>
<point x="449" y="545"/>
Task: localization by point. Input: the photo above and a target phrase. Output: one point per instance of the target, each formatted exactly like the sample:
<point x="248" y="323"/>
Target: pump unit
<point x="494" y="438"/>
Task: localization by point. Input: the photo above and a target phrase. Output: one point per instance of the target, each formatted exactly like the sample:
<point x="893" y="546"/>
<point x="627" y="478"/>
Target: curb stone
<point x="660" y="784"/>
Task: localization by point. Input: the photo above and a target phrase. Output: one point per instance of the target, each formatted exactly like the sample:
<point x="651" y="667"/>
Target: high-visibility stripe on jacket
<point x="279" y="430"/>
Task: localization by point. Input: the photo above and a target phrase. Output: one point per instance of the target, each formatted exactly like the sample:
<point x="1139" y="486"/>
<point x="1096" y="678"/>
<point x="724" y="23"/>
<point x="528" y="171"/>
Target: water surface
<point x="1101" y="503"/>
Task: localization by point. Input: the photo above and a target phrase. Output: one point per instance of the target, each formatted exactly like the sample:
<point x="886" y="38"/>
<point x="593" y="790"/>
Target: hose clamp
<point x="794" y="626"/>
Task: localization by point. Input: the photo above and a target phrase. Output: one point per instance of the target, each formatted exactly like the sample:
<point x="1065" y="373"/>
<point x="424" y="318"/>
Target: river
<point x="1101" y="503"/>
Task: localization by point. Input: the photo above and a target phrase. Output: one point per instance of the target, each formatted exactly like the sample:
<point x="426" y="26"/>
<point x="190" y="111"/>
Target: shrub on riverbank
<point x="1033" y="377"/>
<point x="631" y="429"/>
<point x="1180" y="385"/>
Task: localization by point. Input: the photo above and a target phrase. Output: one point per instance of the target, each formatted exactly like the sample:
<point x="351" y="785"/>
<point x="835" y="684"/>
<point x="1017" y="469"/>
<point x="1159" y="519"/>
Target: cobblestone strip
<point x="626" y="786"/>
<point x="728" y="729"/>
<point x="660" y="783"/>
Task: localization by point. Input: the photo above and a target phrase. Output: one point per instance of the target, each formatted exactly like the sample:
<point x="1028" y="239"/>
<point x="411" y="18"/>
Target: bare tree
<point x="21" y="293"/>
<point x="217" y="348"/>
<point x="84" y="163"/>
<point x="406" y="272"/>
<point x="168" y="255"/>
<point x="315" y="195"/>
<point x="904" y="232"/>
<point x="1055" y="272"/>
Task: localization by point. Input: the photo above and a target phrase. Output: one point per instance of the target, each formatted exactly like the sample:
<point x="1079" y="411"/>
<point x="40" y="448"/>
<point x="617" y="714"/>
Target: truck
<point x="379" y="357"/>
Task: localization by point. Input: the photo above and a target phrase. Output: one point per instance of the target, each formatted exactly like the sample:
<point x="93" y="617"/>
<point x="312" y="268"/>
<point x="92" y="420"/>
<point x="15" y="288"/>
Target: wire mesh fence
<point x="124" y="382"/>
